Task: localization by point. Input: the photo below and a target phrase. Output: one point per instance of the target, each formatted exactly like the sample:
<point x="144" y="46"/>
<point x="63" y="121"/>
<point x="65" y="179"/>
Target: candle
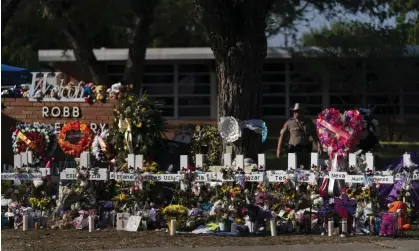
<point x="222" y="226"/>
<point x="330" y="227"/>
<point x="273" y="227"/>
<point x="344" y="226"/>
<point x="233" y="228"/>
<point x="173" y="227"/>
<point x="25" y="222"/>
<point x="91" y="222"/>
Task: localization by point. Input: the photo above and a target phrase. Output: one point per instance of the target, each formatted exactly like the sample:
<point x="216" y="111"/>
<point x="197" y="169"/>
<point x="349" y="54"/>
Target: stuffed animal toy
<point x="401" y="208"/>
<point x="216" y="208"/>
<point x="395" y="219"/>
<point x="339" y="207"/>
<point x="316" y="200"/>
<point x="17" y="91"/>
<point x="100" y="93"/>
<point x="88" y="92"/>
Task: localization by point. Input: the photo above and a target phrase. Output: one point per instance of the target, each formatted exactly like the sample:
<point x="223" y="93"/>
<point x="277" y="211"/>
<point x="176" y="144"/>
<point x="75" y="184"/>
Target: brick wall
<point x="23" y="110"/>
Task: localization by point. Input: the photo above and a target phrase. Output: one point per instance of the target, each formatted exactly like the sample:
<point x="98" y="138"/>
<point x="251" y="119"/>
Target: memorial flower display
<point x="203" y="197"/>
<point x="138" y="128"/>
<point x="339" y="133"/>
<point x="75" y="137"/>
<point x="39" y="203"/>
<point x="206" y="140"/>
<point x="175" y="211"/>
<point x="38" y="138"/>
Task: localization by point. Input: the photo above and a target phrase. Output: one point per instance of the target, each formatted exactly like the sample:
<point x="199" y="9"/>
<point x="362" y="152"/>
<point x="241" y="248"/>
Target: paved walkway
<point x="396" y="245"/>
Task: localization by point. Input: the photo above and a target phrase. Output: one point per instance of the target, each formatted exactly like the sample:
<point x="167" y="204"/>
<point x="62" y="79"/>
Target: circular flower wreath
<point x="39" y="138"/>
<point x="83" y="144"/>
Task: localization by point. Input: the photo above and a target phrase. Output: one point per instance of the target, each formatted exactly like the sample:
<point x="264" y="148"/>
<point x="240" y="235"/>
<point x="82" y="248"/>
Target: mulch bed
<point x="66" y="240"/>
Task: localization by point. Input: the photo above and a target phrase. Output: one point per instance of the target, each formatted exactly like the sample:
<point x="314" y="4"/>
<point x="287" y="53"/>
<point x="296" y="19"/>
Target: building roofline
<point x="199" y="53"/>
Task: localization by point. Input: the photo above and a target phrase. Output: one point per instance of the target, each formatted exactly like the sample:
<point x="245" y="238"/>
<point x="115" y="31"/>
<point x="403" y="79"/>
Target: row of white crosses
<point x="135" y="162"/>
<point x="384" y="178"/>
<point x="214" y="175"/>
<point x="24" y="162"/>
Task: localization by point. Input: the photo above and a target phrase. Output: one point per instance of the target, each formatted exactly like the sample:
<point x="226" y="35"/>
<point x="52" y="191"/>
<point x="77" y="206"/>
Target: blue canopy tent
<point x="11" y="76"/>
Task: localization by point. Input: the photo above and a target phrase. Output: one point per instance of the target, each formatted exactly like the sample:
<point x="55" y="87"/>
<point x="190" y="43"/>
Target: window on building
<point x="273" y="92"/>
<point x="385" y="104"/>
<point x="411" y="103"/>
<point x="194" y="91"/>
<point x="159" y="84"/>
<point x="346" y="85"/>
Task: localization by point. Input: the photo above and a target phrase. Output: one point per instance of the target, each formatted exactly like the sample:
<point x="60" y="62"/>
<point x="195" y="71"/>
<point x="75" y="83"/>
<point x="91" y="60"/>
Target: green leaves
<point x="147" y="126"/>
<point x="357" y="39"/>
<point x="207" y="140"/>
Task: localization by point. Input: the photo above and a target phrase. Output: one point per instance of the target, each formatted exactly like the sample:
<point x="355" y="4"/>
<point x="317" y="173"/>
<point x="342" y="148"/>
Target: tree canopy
<point x="236" y="30"/>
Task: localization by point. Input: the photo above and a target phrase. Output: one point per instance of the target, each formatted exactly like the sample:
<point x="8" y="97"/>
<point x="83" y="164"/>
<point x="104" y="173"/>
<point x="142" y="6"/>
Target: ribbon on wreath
<point x="49" y="161"/>
<point x="26" y="140"/>
<point x="125" y="127"/>
<point x="333" y="186"/>
<point x="337" y="131"/>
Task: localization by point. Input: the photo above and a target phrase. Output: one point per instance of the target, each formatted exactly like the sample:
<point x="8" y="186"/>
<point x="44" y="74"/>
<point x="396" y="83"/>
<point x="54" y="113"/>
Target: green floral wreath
<point x="206" y="140"/>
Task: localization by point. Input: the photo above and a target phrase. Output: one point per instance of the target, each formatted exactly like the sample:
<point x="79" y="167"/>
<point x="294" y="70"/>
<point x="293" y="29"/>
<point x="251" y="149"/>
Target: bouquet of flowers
<point x="39" y="203"/>
<point x="175" y="211"/>
<point x="189" y="174"/>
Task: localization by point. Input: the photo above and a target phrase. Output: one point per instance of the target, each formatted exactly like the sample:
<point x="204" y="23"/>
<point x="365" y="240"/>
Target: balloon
<point x="230" y="128"/>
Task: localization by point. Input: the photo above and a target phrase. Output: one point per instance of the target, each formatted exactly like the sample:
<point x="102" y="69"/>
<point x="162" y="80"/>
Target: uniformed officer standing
<point x="302" y="133"/>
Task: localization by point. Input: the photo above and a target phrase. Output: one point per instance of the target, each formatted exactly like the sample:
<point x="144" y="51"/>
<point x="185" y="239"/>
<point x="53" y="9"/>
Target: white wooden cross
<point x="121" y="220"/>
<point x="135" y="161"/>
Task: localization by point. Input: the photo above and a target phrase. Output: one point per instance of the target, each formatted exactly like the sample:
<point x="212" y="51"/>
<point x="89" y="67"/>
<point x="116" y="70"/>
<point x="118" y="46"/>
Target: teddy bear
<point x="396" y="216"/>
<point x="113" y="92"/>
<point x="88" y="90"/>
<point x="316" y="200"/>
<point x="400" y="208"/>
<point x="100" y="93"/>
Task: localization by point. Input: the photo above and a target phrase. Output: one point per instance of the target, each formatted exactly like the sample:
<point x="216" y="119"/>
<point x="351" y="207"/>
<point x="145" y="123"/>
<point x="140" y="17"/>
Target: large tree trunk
<point x="8" y="8"/>
<point x="78" y="41"/>
<point x="236" y="32"/>
<point x="143" y="18"/>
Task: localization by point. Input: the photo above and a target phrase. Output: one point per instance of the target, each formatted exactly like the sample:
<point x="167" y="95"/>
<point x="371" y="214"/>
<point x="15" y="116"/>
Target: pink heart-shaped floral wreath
<point x="339" y="133"/>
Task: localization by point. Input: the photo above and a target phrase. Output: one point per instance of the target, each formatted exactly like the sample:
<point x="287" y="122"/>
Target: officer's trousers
<point x="303" y="155"/>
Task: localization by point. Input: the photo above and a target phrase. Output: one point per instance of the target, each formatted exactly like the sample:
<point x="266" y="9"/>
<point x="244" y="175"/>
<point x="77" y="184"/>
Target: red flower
<point x="278" y="185"/>
<point x="191" y="167"/>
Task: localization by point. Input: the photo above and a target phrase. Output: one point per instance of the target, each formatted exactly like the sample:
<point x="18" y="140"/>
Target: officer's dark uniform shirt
<point x="300" y="133"/>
